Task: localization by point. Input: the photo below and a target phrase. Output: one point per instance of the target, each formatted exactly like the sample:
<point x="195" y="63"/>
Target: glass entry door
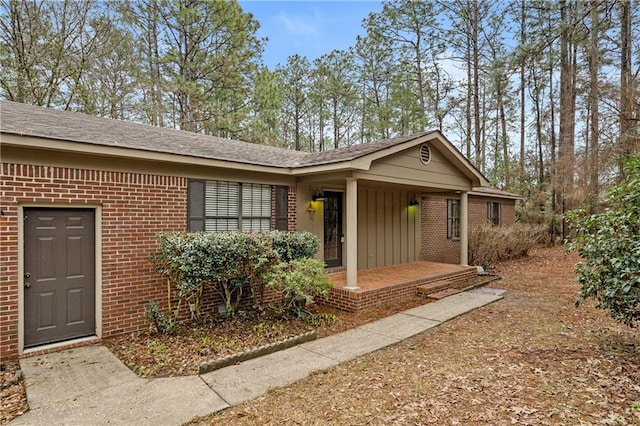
<point x="333" y="229"/>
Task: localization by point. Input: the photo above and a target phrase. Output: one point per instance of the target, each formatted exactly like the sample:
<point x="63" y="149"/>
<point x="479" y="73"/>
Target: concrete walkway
<point x="90" y="386"/>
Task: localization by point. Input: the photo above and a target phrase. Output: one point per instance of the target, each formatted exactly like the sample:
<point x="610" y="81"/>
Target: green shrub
<point x="610" y="244"/>
<point x="229" y="262"/>
<point x="294" y="245"/>
<point x="489" y="244"/>
<point x="299" y="282"/>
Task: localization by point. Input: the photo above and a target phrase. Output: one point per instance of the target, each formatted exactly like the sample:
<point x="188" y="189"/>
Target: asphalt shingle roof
<point x="28" y="120"/>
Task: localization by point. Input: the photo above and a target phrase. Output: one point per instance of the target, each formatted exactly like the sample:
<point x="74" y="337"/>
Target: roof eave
<point x="497" y="195"/>
<point x="37" y="142"/>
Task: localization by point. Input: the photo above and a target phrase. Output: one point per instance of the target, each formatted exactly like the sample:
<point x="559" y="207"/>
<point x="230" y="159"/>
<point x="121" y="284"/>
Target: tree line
<point x="540" y="95"/>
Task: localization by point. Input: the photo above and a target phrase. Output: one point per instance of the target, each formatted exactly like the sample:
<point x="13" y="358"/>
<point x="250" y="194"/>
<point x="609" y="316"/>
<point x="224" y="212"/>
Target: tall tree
<point x="337" y="70"/>
<point x="295" y="81"/>
<point x="568" y="74"/>
<point x="109" y="86"/>
<point x="375" y="67"/>
<point x="412" y="27"/>
<point x="593" y="157"/>
<point x="629" y="139"/>
<point x="144" y="19"/>
<point x="45" y="49"/>
<point x="212" y="51"/>
<point x="268" y="100"/>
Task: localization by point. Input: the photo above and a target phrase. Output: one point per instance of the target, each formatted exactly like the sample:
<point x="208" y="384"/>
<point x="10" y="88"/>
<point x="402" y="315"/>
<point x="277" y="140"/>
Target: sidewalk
<point x="89" y="385"/>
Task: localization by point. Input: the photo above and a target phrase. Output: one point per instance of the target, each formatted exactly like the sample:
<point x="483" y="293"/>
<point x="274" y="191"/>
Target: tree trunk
<point x="594" y="118"/>
<point x="567" y="107"/>
<point x="628" y="133"/>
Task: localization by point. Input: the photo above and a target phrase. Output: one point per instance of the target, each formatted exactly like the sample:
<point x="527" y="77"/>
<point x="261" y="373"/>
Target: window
<point x="229" y="206"/>
<point x="494" y="213"/>
<point x="453" y="218"/>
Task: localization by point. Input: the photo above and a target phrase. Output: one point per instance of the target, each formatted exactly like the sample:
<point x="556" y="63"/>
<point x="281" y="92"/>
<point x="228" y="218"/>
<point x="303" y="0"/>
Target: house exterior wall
<point x="388" y="228"/>
<point x="406" y="167"/>
<point x="478" y="210"/>
<point x="436" y="247"/>
<point x="134" y="208"/>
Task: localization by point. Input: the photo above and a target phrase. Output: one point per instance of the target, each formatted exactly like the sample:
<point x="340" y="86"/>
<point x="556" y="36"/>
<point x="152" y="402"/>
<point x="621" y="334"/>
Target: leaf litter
<point x="532" y="358"/>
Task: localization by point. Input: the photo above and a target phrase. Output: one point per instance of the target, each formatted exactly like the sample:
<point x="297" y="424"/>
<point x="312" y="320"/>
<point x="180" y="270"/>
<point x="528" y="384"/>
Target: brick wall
<point x="135" y="207"/>
<point x="436" y="247"/>
<point x="291" y="209"/>
<point x="478" y="210"/>
<point x="355" y="301"/>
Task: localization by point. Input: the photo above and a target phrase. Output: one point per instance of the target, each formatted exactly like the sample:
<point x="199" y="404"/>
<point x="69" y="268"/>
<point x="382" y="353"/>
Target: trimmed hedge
<point x="230" y="262"/>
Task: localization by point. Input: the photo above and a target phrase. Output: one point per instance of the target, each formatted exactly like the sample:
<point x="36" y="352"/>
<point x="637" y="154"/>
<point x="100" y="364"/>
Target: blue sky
<point x="309" y="28"/>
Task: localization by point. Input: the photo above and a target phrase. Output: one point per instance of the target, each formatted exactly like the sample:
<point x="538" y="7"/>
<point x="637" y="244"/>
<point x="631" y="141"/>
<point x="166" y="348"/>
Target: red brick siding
<point x="354" y="301"/>
<point x="436" y="247"/>
<point x="135" y="207"/>
<point x="291" y="207"/>
<point x="478" y="210"/>
<point x="509" y="213"/>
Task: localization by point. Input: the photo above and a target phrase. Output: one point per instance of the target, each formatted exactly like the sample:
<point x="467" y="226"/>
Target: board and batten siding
<point x="407" y="168"/>
<point x="388" y="229"/>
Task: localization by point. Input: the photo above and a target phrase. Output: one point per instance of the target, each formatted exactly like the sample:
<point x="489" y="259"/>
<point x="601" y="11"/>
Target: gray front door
<point x="59" y="274"/>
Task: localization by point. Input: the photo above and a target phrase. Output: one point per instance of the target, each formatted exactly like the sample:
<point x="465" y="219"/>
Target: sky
<point x="308" y="28"/>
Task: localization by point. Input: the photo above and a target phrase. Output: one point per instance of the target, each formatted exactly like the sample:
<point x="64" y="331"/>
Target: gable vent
<point x="425" y="154"/>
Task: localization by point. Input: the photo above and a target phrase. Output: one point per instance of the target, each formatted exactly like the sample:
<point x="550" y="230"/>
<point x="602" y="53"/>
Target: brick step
<point x="443" y="293"/>
<point x="432" y="287"/>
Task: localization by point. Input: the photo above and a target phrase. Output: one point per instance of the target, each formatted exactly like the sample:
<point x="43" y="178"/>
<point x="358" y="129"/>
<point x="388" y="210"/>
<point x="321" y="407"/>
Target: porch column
<point x="464" y="228"/>
<point x="352" y="234"/>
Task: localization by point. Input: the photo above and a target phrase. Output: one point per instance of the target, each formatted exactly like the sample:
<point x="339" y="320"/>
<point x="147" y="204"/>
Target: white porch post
<point x="464" y="228"/>
<point x="352" y="234"/>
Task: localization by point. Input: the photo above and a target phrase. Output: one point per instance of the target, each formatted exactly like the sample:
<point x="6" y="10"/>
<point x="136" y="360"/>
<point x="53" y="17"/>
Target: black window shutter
<point x="195" y="210"/>
<point x="282" y="211"/>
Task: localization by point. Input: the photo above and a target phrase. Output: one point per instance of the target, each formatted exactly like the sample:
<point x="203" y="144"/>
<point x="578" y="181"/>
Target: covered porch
<point x="366" y="207"/>
<point x="378" y="286"/>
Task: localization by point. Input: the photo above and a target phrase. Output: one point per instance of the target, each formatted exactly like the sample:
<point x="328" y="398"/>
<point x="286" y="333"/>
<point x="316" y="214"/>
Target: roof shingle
<point x="28" y="120"/>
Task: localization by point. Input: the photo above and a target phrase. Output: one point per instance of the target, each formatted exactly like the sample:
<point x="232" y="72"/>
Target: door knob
<point x="27" y="275"/>
<point x="27" y="285"/>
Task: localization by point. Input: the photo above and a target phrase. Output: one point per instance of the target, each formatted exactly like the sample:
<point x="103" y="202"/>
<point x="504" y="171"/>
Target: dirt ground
<point x="156" y="355"/>
<point x="532" y="358"/>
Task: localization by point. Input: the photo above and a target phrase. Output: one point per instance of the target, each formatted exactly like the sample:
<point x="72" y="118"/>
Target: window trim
<point x="491" y="219"/>
<point x="453" y="221"/>
<point x="197" y="216"/>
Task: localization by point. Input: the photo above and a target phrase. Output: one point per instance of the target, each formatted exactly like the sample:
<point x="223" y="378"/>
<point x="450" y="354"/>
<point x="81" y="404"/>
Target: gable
<point x="408" y="168"/>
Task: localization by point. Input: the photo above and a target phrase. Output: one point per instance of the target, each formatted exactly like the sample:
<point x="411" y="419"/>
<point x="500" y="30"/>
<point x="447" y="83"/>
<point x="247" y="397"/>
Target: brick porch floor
<point x="378" y="286"/>
<point x="395" y="274"/>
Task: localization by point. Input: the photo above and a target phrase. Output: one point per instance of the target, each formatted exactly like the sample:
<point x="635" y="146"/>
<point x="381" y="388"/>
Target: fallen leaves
<point x="13" y="400"/>
<point x="532" y="358"/>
